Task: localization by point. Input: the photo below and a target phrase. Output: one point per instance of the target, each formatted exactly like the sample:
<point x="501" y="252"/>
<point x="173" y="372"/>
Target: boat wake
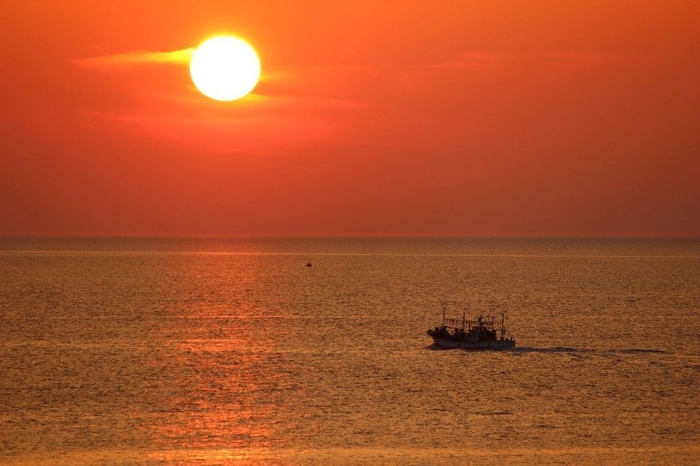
<point x="556" y="349"/>
<point x="562" y="349"/>
<point x="638" y="350"/>
<point x="565" y="349"/>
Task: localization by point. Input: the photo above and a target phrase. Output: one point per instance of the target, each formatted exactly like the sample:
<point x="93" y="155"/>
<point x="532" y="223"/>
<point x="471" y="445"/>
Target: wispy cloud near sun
<point x="137" y="58"/>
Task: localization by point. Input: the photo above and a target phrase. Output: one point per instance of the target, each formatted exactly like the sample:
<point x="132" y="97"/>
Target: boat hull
<point x="473" y="345"/>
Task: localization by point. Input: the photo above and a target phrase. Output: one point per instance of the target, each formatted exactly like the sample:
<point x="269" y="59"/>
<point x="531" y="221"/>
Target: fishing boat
<point x="482" y="333"/>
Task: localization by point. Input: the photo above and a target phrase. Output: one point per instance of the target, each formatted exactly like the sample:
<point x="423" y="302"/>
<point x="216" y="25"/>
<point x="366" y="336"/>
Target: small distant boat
<point x="483" y="333"/>
<point x="308" y="264"/>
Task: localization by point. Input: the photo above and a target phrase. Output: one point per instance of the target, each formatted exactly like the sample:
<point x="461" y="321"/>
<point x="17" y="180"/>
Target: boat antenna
<point x="444" y="312"/>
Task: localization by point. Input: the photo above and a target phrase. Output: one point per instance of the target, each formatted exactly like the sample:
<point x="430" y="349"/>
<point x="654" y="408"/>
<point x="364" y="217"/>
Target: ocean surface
<point x="234" y="351"/>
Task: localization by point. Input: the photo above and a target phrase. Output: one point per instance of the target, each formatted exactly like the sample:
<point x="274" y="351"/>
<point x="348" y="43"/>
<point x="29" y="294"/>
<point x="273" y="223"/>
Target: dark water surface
<point x="217" y="351"/>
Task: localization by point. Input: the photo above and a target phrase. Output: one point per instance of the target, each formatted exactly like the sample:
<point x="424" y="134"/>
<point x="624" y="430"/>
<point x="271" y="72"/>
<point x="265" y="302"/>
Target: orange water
<point x="217" y="351"/>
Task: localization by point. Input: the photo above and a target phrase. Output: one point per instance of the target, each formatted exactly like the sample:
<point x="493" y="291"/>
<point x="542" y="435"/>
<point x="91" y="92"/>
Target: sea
<point x="285" y="351"/>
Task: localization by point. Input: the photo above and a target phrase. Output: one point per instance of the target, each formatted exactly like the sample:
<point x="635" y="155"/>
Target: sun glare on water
<point x="225" y="68"/>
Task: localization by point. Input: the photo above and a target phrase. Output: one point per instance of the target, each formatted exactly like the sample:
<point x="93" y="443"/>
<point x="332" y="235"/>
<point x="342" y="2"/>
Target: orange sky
<point x="473" y="118"/>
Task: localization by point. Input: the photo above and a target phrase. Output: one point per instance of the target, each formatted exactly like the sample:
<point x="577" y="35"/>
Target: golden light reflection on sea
<point x="234" y="352"/>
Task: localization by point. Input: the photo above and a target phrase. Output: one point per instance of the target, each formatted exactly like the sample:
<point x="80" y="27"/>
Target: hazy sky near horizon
<point x="474" y="118"/>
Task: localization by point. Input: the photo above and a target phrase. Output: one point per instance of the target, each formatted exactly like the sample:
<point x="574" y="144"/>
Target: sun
<point x="225" y="68"/>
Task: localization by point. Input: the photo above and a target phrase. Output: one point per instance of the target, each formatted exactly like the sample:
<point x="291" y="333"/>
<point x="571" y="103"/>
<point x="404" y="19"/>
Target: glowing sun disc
<point x="225" y="68"/>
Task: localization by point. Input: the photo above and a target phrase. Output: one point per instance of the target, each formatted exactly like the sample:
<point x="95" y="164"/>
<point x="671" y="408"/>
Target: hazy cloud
<point x="137" y="58"/>
<point x="482" y="60"/>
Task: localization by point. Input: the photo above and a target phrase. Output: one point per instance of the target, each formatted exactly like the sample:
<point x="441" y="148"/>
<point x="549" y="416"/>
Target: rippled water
<point x="211" y="351"/>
